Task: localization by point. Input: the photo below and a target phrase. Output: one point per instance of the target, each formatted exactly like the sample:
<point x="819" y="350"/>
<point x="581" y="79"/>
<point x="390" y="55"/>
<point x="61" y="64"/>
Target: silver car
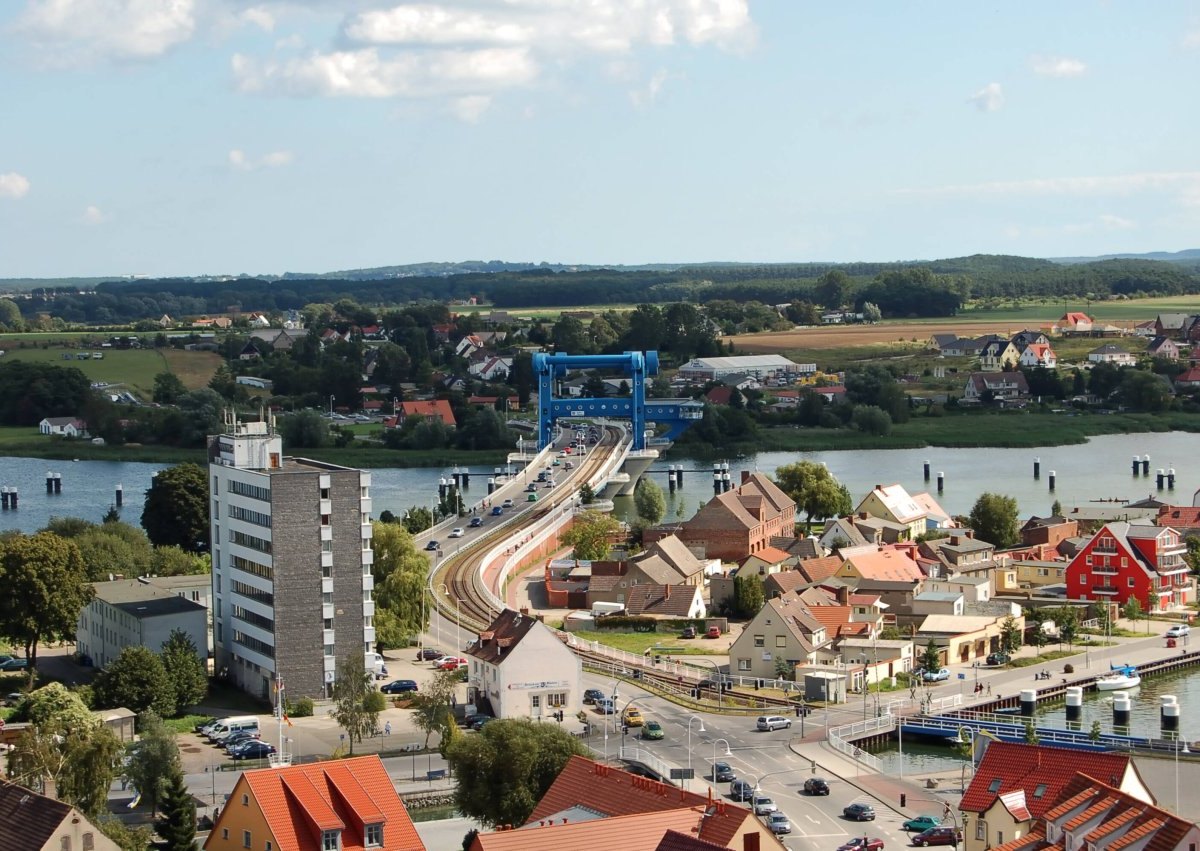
<point x="763" y="806"/>
<point x="768" y="723"/>
<point x="779" y="823"/>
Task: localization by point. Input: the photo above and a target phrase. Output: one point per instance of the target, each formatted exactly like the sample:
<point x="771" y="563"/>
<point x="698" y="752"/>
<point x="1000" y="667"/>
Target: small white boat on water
<point x="1120" y="677"/>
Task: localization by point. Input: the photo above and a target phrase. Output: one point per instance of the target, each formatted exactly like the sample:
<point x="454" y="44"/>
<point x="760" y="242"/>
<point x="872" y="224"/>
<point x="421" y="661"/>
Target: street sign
<point x="683" y="773"/>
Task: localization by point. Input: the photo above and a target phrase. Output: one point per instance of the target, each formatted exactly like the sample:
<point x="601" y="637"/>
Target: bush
<point x="302" y="708"/>
<point x="375" y="702"/>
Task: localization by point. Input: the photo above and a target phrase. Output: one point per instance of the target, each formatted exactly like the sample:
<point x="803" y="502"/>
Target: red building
<point x="1133" y="560"/>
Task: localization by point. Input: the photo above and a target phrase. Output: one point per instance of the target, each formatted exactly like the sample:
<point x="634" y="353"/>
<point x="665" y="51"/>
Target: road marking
<point x="810" y="818"/>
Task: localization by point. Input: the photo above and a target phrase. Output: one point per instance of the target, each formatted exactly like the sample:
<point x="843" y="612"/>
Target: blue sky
<point x="212" y="136"/>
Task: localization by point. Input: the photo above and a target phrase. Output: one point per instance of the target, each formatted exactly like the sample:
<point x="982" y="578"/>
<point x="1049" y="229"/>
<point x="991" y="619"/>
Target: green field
<point x="132" y="369"/>
<point x="1046" y="312"/>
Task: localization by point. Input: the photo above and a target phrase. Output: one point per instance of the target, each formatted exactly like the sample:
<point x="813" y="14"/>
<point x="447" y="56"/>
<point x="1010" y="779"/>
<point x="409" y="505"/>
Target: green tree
<point x="45" y="588"/>
<point x="814" y="489"/>
<point x="432" y="708"/>
<point x="871" y="312"/>
<point x="174" y="561"/>
<point x="1031" y="735"/>
<point x="305" y="430"/>
<point x="417" y="519"/>
<point x="590" y="535"/>
<point x="931" y="657"/>
<point x="994" y="519"/>
<point x="1095" y="733"/>
<point x="747" y="595"/>
<point x="833" y="289"/>
<point x="1010" y="635"/>
<point x="136" y="680"/>
<point x="1132" y="609"/>
<point x="177" y="827"/>
<point x="503" y="772"/>
<point x="1144" y="391"/>
<point x="168" y="388"/>
<point x="586" y="495"/>
<point x="352" y="703"/>
<point x="185" y="670"/>
<point x="127" y="837"/>
<point x="400" y="581"/>
<point x="649" y="501"/>
<point x="176" y="508"/>
<point x="1067" y="621"/>
<point x="152" y="758"/>
<point x="114" y="548"/>
<point x="870" y="419"/>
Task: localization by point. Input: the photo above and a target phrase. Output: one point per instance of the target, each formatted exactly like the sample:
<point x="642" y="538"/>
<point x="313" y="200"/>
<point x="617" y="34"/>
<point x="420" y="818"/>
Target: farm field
<point x="133" y="368"/>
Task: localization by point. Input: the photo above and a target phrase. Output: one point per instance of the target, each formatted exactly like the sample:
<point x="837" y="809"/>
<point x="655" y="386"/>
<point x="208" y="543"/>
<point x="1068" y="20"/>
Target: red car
<point x="861" y="843"/>
<point x="936" y="836"/>
<point x="452" y="664"/>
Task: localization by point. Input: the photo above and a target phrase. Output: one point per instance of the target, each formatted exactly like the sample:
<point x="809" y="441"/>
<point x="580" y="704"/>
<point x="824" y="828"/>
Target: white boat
<point x="1120" y="677"/>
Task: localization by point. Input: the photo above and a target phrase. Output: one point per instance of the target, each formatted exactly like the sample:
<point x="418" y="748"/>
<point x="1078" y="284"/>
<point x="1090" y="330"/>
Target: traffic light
<point x="903" y="800"/>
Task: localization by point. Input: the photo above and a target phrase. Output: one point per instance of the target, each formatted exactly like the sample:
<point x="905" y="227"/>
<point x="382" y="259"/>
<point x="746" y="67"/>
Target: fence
<point x="838" y="738"/>
<point x="639" y="755"/>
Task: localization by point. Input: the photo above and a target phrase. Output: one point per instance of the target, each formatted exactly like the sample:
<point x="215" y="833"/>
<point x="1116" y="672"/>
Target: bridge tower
<point x="637" y="366"/>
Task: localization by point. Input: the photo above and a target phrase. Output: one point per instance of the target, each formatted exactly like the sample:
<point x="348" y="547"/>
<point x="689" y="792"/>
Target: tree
<point x="503" y="772"/>
<point x="176" y="509"/>
<point x="127" y="837"/>
<point x="1010" y="635"/>
<point x="649" y="501"/>
<point x="1031" y="735"/>
<point x="871" y="312"/>
<point x="177" y="827"/>
<point x="400" y="577"/>
<point x="1095" y="733"/>
<point x="185" y="670"/>
<point x="833" y="289"/>
<point x="814" y="490"/>
<point x="1133" y="609"/>
<point x="931" y="657"/>
<point x="1068" y="625"/>
<point x="152" y="758"/>
<point x="432" y="708"/>
<point x="872" y="420"/>
<point x="168" y="388"/>
<point x="352" y="707"/>
<point x="586" y="495"/>
<point x="589" y="535"/>
<point x="747" y="595"/>
<point x="137" y="680"/>
<point x="304" y="430"/>
<point x="174" y="561"/>
<point x="1144" y="391"/>
<point x="994" y="519"/>
<point x="45" y="588"/>
<point x="417" y="519"/>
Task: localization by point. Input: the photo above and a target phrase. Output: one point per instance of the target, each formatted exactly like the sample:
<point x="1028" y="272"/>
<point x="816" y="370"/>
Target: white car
<point x="763" y="806"/>
<point x="1179" y="630"/>
<point x="457" y="532"/>
<point x="767" y="723"/>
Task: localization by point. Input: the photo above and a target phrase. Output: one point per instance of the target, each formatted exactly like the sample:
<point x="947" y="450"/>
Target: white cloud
<point x="93" y="215"/>
<point x="470" y="108"/>
<point x="1117" y="184"/>
<point x="240" y="161"/>
<point x="122" y="29"/>
<point x="988" y="99"/>
<point x="364" y="73"/>
<point x="648" y="94"/>
<point x="259" y="17"/>
<point x="1057" y="66"/>
<point x="13" y="185"/>
<point x="1111" y="222"/>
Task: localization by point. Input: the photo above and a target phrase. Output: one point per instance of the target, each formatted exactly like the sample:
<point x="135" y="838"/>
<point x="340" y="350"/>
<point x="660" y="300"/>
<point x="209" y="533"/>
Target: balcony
<point x="1105" y="589"/>
<point x="1105" y="570"/>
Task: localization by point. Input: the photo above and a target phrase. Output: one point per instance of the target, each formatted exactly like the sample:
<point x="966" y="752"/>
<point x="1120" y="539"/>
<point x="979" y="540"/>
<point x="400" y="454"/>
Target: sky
<point x="191" y="137"/>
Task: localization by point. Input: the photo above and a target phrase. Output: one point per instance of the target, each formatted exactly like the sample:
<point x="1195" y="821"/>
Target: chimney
<point x="49" y="787"/>
<point x="666" y="592"/>
<point x="843" y="595"/>
<point x="745" y="476"/>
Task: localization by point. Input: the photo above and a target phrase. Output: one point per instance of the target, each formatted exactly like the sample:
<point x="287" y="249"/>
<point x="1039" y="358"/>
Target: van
<point x="221" y="730"/>
<point x="374" y="665"/>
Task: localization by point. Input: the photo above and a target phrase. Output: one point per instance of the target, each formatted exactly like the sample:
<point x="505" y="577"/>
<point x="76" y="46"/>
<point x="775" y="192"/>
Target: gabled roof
<point x="1163" y="830"/>
<point x="770" y="555"/>
<point x="897" y="501"/>
<point x="819" y="569"/>
<point x="1108" y="349"/>
<point x="1179" y="516"/>
<point x="503" y="634"/>
<point x="674" y="556"/>
<point x="784" y="582"/>
<point x="1039" y="771"/>
<point x="932" y="507"/>
<point x="660" y="600"/>
<point x="837" y="621"/>
<point x="634" y="832"/>
<point x="439" y="408"/>
<point x="1074" y="318"/>
<point x="673" y="840"/>
<point x="800" y="547"/>
<point x="843" y="527"/>
<point x="885" y="564"/>
<point x="300" y="801"/>
<point x="27" y="819"/>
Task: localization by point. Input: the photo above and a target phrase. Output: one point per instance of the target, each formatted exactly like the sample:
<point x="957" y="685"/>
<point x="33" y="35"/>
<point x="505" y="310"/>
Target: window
<point x="89" y="842"/>
<point x="1040" y="790"/>
<point x="245" y="800"/>
<point x="374" y="837"/>
<point x="994" y="786"/>
<point x="325" y="519"/>
<point x="1083" y="579"/>
<point x="1088" y="561"/>
<point x="743" y="664"/>
<point x="65" y="843"/>
<point x="536" y="701"/>
<point x="327" y="546"/>
<point x="780" y="641"/>
<point x="981" y="830"/>
<point x="324" y="493"/>
<point x="759" y="641"/>
<point x="224" y="833"/>
<point x="247" y="839"/>
<point x="331" y="840"/>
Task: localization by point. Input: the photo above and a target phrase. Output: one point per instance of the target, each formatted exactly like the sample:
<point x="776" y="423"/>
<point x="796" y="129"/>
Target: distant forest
<point x="896" y="288"/>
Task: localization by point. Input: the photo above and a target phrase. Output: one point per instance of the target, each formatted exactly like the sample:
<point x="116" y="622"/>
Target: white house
<point x="137" y="613"/>
<point x="1111" y="353"/>
<point x="519" y="668"/>
<point x="1039" y="354"/>
<point x="491" y="368"/>
<point x="63" y="426"/>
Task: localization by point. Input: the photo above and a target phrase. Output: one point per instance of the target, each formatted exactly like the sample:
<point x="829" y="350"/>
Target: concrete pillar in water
<point x="1137" y="462"/>
<point x="1168" y="710"/>
<point x="716" y="479"/>
<point x="1037" y="468"/>
<point x="1074" y="704"/>
<point x="120" y="494"/>
<point x="941" y="482"/>
<point x="1146" y="466"/>
<point x="4" y="498"/>
<point x="926" y="471"/>
<point x="491" y="485"/>
<point x="49" y="482"/>
<point x="1171" y="479"/>
<point x="671" y="478"/>
<point x="1121" y="707"/>
<point x="58" y="482"/>
<point x="1160" y="478"/>
<point x="679" y="476"/>
<point x="1028" y="702"/>
<point x="1053" y="479"/>
<point x="12" y="497"/>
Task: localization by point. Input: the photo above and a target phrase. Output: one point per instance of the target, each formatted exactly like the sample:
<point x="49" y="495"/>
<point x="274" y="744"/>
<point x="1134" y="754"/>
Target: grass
<point x="640" y="642"/>
<point x="132" y="369"/>
<point x="185" y="723"/>
<point x="1048" y="656"/>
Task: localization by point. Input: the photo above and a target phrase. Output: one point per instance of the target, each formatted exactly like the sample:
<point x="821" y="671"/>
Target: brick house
<point x="1135" y="560"/>
<point x="741" y="521"/>
<point x="1048" y="531"/>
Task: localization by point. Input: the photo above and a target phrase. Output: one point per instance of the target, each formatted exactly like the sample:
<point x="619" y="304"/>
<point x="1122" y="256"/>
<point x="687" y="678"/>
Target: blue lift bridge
<point x="677" y="414"/>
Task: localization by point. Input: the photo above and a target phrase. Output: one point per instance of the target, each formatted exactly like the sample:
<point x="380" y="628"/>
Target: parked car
<point x="859" y="812"/>
<point x="13" y="663"/>
<point x="457" y="532"/>
<point x="723" y="773"/>
<point x="998" y="658"/>
<point x="254" y="750"/>
<point x="768" y="723"/>
<point x="740" y="790"/>
<point x="632" y="717"/>
<point x="763" y="805"/>
<point x="237" y="738"/>
<point x="476" y="522"/>
<point x="936" y="836"/>
<point x="431" y="546"/>
<point x="451" y="663"/>
<point x="592" y="695"/>
<point x="816" y="786"/>
<point x="936" y="676"/>
<point x="922" y="823"/>
<point x="779" y="823"/>
<point x="13" y="698"/>
<point x="861" y="843"/>
<point x="1179" y="630"/>
<point x="473" y="718"/>
<point x="478" y="723"/>
<point x="399" y="687"/>
<point x="688" y="632"/>
<point x="713" y="632"/>
<point x="428" y="654"/>
<point x="653" y="730"/>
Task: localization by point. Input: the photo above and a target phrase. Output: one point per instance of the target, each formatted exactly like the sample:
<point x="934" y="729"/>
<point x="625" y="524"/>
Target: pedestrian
<point x="989" y="688"/>
<point x="387" y="728"/>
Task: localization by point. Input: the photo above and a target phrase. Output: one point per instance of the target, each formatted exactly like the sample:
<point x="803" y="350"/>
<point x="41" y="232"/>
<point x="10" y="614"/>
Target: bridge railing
<point x="839" y="738"/>
<point x="1013" y="727"/>
<point x="656" y="764"/>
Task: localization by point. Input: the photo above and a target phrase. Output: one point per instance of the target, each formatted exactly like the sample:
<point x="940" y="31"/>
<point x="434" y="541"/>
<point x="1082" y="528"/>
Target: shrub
<point x="302" y="708"/>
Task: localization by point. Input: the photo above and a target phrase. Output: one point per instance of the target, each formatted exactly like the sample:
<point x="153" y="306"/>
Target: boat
<point x="1120" y="677"/>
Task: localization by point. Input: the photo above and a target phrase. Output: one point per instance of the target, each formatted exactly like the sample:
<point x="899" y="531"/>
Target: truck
<point x="375" y="666"/>
<point x="600" y="609"/>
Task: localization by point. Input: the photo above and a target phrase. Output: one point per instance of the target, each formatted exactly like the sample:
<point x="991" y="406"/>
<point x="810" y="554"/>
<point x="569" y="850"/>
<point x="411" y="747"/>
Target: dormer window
<point x="331" y="840"/>
<point x="374" y="836"/>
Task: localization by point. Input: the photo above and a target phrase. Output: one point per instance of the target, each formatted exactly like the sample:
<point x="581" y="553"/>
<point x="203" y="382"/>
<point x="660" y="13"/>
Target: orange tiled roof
<point x="771" y="555"/>
<point x="299" y="801"/>
<point x="637" y="832"/>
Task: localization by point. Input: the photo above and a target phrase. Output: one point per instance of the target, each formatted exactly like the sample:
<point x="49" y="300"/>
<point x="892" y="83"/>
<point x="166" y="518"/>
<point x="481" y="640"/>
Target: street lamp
<point x="458" y="618"/>
<point x="701" y="720"/>
<point x="728" y="752"/>
<point x="331" y="398"/>
<point x="442" y="588"/>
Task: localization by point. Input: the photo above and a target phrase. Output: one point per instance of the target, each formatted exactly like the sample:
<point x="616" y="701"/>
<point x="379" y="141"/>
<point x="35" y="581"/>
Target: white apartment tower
<point x="291" y="563"/>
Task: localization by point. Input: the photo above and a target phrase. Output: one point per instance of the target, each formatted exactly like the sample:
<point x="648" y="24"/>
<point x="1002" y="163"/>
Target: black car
<point x="592" y="695"/>
<point x="399" y="687"/>
<point x="431" y="546"/>
<point x="428" y="654"/>
<point x="253" y="750"/>
<point x="723" y="773"/>
<point x="859" y="812"/>
<point x="474" y="718"/>
<point x="236" y="738"/>
<point x="479" y="723"/>
<point x="476" y="522"/>
<point x="998" y="658"/>
<point x="741" y="790"/>
<point x="816" y="786"/>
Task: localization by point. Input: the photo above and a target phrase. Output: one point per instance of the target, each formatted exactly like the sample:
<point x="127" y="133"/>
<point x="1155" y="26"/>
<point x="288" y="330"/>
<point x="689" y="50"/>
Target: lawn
<point x="640" y="642"/>
<point x="1048" y="656"/>
<point x="26" y="442"/>
<point x="132" y="369"/>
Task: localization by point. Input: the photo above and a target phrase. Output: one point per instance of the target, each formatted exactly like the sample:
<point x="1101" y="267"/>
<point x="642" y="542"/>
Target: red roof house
<point x="436" y="408"/>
